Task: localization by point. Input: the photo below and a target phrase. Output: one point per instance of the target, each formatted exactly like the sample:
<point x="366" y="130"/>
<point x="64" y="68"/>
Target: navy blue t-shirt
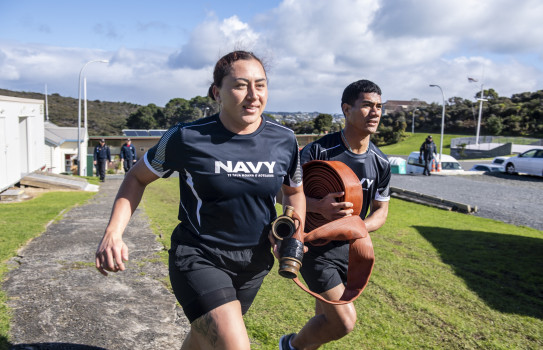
<point x="228" y="182"/>
<point x="372" y="167"/>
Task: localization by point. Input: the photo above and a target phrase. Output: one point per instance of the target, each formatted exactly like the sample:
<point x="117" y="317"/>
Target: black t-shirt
<point x="372" y="167"/>
<point x="228" y="182"/>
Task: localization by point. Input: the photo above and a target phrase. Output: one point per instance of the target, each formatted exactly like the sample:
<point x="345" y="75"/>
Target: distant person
<point x="324" y="268"/>
<point x="128" y="155"/>
<point x="231" y="165"/>
<point x="427" y="150"/>
<point x="102" y="157"/>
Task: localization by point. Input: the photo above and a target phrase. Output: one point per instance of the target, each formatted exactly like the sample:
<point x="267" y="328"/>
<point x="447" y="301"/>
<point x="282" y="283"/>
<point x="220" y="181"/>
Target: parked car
<point x="486" y="167"/>
<point x="500" y="161"/>
<point x="529" y="162"/>
<point x="415" y="166"/>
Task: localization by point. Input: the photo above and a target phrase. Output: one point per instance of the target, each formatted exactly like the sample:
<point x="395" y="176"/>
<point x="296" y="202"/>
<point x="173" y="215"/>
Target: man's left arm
<point x="378" y="215"/>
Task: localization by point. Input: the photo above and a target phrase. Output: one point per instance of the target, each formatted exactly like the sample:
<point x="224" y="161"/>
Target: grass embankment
<point x="22" y="221"/>
<point x="442" y="280"/>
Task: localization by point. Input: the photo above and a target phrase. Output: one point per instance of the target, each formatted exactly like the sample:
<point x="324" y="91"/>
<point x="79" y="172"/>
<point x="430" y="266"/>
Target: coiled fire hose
<point x="321" y="178"/>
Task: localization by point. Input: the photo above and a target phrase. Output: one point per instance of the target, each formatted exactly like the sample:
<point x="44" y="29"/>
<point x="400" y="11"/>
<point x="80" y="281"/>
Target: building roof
<point x="57" y="135"/>
<point x="143" y="132"/>
<point x="397" y="105"/>
<point x="401" y="102"/>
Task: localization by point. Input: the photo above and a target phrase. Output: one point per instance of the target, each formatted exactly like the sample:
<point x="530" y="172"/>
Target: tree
<point x="322" y="123"/>
<point x="490" y="94"/>
<point x="177" y="110"/>
<point x="494" y="125"/>
<point x="205" y="105"/>
<point x="144" y="117"/>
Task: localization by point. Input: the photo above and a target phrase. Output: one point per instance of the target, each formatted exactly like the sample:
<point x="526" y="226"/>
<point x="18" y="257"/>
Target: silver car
<point x="500" y="162"/>
<point x="486" y="168"/>
<point x="529" y="162"/>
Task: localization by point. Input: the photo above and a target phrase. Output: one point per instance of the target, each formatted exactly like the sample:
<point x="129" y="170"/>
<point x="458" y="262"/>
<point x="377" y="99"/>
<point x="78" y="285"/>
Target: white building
<point x="61" y="149"/>
<point x="21" y="138"/>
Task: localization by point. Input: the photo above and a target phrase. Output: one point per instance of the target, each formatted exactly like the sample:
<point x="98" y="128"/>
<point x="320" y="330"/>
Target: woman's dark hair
<point x="224" y="66"/>
<point x="353" y="91"/>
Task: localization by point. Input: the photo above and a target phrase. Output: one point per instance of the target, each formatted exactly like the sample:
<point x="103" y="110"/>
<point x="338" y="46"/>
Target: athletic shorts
<point x="205" y="277"/>
<point x="325" y="267"/>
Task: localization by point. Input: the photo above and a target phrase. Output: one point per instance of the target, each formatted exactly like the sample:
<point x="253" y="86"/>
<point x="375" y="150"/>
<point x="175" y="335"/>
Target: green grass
<point x="161" y="199"/>
<point x="442" y="280"/>
<point x="413" y="142"/>
<point x="93" y="180"/>
<point x="22" y="221"/>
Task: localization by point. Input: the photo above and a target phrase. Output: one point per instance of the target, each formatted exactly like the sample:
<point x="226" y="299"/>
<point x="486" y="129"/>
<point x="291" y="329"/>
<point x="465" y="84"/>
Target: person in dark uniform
<point x="427" y="150"/>
<point x="128" y="155"/>
<point x="231" y="165"/>
<point x="102" y="157"/>
<point x="324" y="268"/>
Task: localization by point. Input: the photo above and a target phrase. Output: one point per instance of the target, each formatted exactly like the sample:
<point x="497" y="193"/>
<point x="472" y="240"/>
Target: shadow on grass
<point x="54" y="346"/>
<point x="504" y="270"/>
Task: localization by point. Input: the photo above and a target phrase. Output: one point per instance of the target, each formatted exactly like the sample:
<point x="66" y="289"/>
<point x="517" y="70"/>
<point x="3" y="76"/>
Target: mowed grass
<point x="23" y="221"/>
<point x="442" y="280"/>
<point x="413" y="142"/>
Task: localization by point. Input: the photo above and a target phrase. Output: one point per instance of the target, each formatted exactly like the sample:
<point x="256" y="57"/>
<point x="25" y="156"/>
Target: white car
<point x="529" y="162"/>
<point x="416" y="166"/>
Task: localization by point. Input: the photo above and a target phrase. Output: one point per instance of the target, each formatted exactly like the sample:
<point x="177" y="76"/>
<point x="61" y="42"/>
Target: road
<point x="514" y="199"/>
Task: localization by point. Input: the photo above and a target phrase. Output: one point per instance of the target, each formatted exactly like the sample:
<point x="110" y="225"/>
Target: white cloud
<point x="402" y="46"/>
<point x="314" y="49"/>
<point x="212" y="39"/>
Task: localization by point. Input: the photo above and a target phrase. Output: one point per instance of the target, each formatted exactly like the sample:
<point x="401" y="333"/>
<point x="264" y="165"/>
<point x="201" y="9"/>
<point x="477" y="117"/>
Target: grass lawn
<point x="442" y="280"/>
<point x="22" y="221"/>
<point x="413" y="142"/>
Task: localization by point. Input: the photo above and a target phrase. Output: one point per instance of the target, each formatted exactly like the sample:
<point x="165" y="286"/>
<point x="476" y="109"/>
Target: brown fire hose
<point x="321" y="178"/>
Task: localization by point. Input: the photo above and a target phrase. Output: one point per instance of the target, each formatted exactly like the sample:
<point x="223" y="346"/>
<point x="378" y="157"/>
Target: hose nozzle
<point x="290" y="239"/>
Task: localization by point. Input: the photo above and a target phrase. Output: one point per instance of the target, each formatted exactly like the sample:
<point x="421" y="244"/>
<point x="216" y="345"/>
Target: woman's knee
<point x="222" y="327"/>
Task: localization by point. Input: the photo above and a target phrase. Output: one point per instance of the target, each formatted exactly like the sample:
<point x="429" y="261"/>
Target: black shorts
<point x="325" y="267"/>
<point x="205" y="277"/>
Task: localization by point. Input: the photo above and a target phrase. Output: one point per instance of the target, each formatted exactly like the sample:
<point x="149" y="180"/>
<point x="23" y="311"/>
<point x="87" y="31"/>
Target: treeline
<point x="104" y="118"/>
<point x="177" y="110"/>
<point x="323" y="123"/>
<point x="520" y="115"/>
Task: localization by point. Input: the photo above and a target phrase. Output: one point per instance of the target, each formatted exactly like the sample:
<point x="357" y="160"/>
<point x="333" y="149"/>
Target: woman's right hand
<point x="111" y="254"/>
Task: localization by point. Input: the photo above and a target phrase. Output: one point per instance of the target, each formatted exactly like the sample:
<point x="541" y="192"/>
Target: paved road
<point x="515" y="199"/>
<point x="60" y="301"/>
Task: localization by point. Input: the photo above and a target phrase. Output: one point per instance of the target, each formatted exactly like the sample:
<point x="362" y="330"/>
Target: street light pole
<point x="481" y="99"/>
<point x="442" y="121"/>
<point x="413" y="121"/>
<point x="79" y="117"/>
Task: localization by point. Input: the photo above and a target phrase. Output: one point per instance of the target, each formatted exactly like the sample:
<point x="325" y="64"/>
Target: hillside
<point x="105" y="118"/>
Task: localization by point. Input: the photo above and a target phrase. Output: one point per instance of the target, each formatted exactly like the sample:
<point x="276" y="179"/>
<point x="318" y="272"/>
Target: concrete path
<point x="60" y="301"/>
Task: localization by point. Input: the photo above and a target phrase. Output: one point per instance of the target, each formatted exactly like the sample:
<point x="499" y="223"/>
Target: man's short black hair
<point x="353" y="91"/>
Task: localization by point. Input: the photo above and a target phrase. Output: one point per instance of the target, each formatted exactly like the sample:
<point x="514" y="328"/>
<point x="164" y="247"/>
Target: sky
<point x="164" y="49"/>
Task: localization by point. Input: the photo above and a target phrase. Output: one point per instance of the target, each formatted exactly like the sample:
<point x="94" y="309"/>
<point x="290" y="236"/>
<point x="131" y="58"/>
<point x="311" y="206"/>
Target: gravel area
<point x="514" y="199"/>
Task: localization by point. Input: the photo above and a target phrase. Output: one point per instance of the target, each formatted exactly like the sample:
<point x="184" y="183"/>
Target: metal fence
<point x="458" y="142"/>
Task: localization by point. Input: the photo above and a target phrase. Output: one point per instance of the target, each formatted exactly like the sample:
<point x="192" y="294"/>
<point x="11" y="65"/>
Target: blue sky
<point x="313" y="48"/>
